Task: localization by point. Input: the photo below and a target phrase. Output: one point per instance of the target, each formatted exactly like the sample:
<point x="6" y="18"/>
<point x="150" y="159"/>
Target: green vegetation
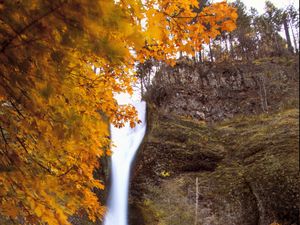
<point x="247" y="169"/>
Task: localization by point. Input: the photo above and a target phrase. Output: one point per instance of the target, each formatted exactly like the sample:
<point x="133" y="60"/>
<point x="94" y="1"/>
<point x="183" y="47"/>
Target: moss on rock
<point x="247" y="169"/>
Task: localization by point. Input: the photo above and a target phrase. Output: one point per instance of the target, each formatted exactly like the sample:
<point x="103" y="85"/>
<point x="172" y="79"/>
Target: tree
<point x="286" y="30"/>
<point x="54" y="110"/>
<point x="244" y="33"/>
<point x="293" y="21"/>
<point x="271" y="21"/>
<point x="177" y="27"/>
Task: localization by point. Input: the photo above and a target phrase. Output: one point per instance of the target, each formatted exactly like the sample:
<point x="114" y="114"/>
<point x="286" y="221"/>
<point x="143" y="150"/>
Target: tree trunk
<point x="210" y="53"/>
<point x="278" y="48"/>
<point x="142" y="88"/>
<point x="200" y="56"/>
<point x="180" y="54"/>
<point x="231" y="47"/>
<point x="226" y="45"/>
<point x="287" y="34"/>
<point x="294" y="39"/>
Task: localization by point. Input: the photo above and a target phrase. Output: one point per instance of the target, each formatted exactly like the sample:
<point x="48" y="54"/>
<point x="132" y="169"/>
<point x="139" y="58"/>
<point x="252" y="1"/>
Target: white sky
<point x="259" y="4"/>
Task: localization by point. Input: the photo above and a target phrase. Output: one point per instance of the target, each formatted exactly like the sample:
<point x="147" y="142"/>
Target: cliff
<point x="233" y="154"/>
<point x="216" y="91"/>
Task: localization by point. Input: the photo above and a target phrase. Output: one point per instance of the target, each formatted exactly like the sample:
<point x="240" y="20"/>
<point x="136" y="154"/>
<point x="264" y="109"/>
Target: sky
<point x="259" y="4"/>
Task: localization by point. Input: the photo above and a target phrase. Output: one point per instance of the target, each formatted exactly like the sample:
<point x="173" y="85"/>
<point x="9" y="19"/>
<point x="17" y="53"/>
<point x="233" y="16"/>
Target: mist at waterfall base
<point x="126" y="142"/>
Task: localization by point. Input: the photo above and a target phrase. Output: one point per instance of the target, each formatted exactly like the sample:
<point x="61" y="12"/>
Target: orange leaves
<point x="108" y="152"/>
<point x="9" y="208"/>
<point x="124" y="114"/>
<point x="55" y="111"/>
<point x="228" y="26"/>
<point x="2" y="98"/>
<point x="173" y="26"/>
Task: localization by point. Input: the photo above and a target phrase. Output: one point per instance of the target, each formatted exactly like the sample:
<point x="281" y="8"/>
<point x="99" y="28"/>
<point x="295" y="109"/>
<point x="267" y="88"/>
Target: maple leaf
<point x="55" y="110"/>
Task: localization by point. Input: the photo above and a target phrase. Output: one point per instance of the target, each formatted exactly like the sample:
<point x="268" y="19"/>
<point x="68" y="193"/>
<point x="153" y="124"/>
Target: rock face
<point x="213" y="92"/>
<point x="247" y="167"/>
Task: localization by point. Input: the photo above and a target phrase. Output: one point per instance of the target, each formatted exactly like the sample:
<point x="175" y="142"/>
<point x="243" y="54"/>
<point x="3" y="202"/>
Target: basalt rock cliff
<point x="222" y="146"/>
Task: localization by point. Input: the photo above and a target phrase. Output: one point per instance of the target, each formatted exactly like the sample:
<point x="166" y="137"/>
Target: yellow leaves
<point x="155" y="25"/>
<point x="233" y="14"/>
<point x="107" y="7"/>
<point x="154" y="32"/>
<point x="228" y="25"/>
<point x="124" y="114"/>
<point x="8" y="208"/>
<point x="214" y="32"/>
<point x="165" y="173"/>
<point x="57" y="36"/>
<point x="108" y="152"/>
<point x="39" y="209"/>
<point x="126" y="28"/>
<point x="173" y="26"/>
<point x="57" y="110"/>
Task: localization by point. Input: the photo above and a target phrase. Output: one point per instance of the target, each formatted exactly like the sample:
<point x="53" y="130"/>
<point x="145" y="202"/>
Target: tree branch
<point x="67" y="171"/>
<point x="3" y="136"/>
<point x="34" y="160"/>
<point x="6" y="43"/>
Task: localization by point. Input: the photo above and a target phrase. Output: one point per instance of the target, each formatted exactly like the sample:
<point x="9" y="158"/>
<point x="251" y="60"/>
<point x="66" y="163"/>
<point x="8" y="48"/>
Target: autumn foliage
<point x="54" y="109"/>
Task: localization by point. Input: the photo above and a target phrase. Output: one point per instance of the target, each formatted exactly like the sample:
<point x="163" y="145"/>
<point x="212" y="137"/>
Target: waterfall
<point x="126" y="142"/>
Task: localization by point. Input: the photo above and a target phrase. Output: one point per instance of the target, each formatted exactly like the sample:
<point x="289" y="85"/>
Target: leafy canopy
<point x="54" y="110"/>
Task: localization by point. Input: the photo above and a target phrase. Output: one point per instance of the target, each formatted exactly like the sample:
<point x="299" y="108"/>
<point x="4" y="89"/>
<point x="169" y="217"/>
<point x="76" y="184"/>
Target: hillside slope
<point x="247" y="165"/>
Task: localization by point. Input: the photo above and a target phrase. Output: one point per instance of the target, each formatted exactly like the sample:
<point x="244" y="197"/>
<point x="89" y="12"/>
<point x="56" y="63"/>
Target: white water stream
<point x="126" y="140"/>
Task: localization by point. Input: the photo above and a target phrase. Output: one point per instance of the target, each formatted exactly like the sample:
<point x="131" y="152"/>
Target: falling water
<point x="126" y="142"/>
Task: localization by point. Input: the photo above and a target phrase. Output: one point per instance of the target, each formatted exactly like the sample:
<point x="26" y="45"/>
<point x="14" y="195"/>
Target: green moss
<point x="251" y="169"/>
